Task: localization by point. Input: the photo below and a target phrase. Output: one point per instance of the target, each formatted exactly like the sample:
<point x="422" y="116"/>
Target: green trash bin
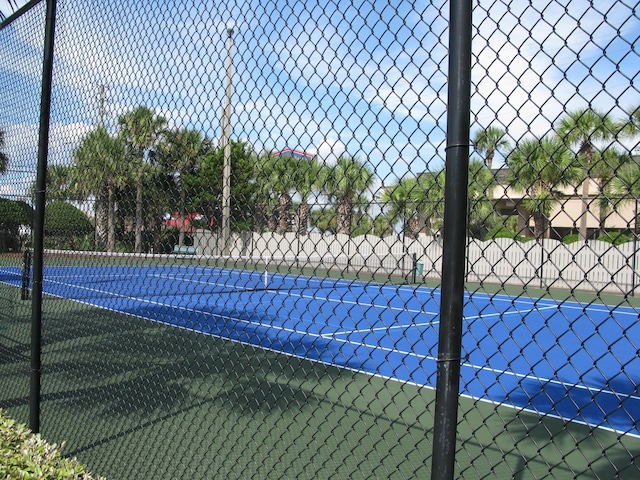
<point x="419" y="268"/>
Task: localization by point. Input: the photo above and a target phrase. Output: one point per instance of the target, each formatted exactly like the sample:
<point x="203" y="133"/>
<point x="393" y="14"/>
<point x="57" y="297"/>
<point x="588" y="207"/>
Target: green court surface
<point x="137" y="399"/>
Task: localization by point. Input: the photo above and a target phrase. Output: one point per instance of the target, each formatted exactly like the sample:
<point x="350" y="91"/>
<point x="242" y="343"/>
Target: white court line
<point x="471" y="318"/>
<point x="498" y="372"/>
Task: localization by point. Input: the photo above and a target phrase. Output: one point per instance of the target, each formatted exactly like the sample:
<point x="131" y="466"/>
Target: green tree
<point x="343" y="183"/>
<point x="421" y="199"/>
<point x="635" y="119"/>
<point x="361" y="220"/>
<point x="537" y="168"/>
<point x="204" y="184"/>
<point x="629" y="127"/>
<point x="261" y="197"/>
<point x="181" y="152"/>
<point x="490" y="141"/>
<point x="141" y="129"/>
<point x="13" y="216"/>
<point x="363" y="225"/>
<point x="581" y="129"/>
<point x="626" y="183"/>
<point x="324" y="220"/>
<point x="100" y="169"/>
<point x="65" y="225"/>
<point x="58" y="182"/>
<point x="4" y="159"/>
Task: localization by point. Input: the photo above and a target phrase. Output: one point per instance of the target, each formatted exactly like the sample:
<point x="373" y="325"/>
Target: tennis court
<point x="582" y="365"/>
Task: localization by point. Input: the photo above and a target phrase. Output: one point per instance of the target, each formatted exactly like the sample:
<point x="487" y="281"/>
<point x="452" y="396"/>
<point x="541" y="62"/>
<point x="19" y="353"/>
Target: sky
<point x="9" y="7"/>
<point x="360" y="78"/>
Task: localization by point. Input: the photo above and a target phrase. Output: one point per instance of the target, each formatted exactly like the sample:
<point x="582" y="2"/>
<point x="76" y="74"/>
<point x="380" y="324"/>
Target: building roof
<point x="290" y="152"/>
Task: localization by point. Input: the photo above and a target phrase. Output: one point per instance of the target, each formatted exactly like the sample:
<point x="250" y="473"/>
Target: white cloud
<point x="330" y="79"/>
<point x="330" y="150"/>
<point x="533" y="64"/>
<point x="8" y="8"/>
<point x="22" y="149"/>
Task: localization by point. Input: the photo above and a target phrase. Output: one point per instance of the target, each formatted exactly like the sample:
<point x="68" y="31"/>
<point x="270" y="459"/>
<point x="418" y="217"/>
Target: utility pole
<point x="101" y="107"/>
<point x="226" y="139"/>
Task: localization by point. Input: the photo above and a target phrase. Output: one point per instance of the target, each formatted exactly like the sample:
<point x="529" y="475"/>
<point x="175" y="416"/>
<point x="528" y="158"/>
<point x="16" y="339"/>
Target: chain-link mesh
<point x="243" y="237"/>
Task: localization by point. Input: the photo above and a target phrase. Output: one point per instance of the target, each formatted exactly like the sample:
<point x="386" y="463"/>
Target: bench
<point x="184" y="250"/>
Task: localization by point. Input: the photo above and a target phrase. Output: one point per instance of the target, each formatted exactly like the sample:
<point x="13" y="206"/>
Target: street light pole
<point x="226" y="139"/>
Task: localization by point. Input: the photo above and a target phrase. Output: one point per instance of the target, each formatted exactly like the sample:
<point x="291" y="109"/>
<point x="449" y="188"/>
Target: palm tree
<point x="626" y="183"/>
<point x="581" y="129"/>
<point x="606" y="166"/>
<point x="141" y="129"/>
<point x="306" y="180"/>
<point x="537" y="168"/>
<point x="400" y="198"/>
<point x="58" y="183"/>
<point x="343" y="183"/>
<point x="100" y="169"/>
<point x="625" y="186"/>
<point x="278" y="176"/>
<point x="490" y="141"/>
<point x="630" y="126"/>
<point x="482" y="213"/>
<point x="181" y="152"/>
<point x="382" y="225"/>
<point x="429" y="198"/>
<point x="4" y="159"/>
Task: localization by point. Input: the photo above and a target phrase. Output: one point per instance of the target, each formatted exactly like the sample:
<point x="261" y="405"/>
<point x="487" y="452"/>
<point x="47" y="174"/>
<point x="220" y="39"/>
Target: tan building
<point x="567" y="213"/>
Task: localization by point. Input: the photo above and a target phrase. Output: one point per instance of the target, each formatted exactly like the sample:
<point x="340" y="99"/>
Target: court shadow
<point x="106" y="373"/>
<point x="558" y="432"/>
<point x="182" y="382"/>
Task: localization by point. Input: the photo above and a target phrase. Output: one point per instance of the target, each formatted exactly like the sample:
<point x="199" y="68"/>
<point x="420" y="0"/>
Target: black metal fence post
<point x="38" y="222"/>
<point x="455" y="232"/>
<point x="26" y="274"/>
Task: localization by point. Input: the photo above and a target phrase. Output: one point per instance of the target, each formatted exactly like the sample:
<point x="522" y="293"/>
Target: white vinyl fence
<point x="594" y="265"/>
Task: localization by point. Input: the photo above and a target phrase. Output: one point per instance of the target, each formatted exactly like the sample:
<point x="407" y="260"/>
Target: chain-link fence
<point x="244" y="237"/>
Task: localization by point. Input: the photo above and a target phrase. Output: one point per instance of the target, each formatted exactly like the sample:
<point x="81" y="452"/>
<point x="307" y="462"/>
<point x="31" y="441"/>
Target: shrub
<point x="66" y="226"/>
<point x="502" y="232"/>
<point x="616" y="238"/>
<point x="25" y="455"/>
<point x="571" y="238"/>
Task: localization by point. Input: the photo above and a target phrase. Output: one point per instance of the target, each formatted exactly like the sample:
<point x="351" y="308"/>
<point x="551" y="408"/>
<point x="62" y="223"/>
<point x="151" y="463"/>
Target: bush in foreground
<point x="25" y="455"/>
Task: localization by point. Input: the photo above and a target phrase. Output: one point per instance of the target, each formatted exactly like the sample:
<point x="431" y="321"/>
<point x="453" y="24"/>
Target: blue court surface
<point x="579" y="363"/>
